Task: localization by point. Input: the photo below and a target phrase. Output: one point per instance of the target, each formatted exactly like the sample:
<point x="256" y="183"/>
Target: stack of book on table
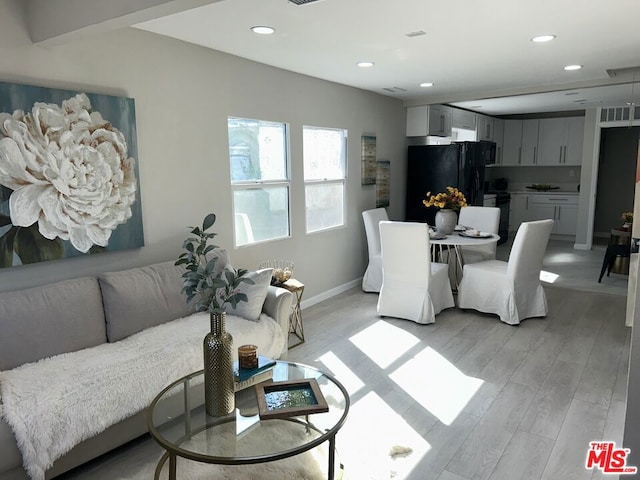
<point x="246" y="377"/>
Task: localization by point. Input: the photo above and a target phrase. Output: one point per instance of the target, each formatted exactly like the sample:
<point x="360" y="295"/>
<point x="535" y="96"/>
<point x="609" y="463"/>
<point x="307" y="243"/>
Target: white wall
<point x="183" y="96"/>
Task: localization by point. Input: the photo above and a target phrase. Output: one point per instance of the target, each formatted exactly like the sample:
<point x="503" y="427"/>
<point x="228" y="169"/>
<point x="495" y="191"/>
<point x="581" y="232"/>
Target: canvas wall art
<point x="368" y="160"/>
<point x="69" y="182"/>
<point x="383" y="182"/>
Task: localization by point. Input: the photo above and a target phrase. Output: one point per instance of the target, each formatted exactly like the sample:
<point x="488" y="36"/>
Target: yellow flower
<point x="452" y="198"/>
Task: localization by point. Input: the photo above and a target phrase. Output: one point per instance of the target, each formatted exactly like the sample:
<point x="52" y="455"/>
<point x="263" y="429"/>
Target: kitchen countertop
<point x="549" y="192"/>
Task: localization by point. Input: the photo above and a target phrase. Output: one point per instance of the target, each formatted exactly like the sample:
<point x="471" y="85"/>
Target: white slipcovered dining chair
<point x="413" y="287"/>
<point x="372" y="279"/>
<point x="485" y="219"/>
<point x="511" y="290"/>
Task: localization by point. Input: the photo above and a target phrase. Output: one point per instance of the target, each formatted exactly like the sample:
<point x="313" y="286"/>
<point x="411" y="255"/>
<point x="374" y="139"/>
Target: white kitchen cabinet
<point x="529" y="155"/>
<point x="560" y="141"/>
<point x="429" y="120"/>
<point x="518" y="210"/>
<point x="484" y="129"/>
<point x="463" y="119"/>
<point x="512" y="143"/>
<point x="498" y="137"/>
<point x="562" y="209"/>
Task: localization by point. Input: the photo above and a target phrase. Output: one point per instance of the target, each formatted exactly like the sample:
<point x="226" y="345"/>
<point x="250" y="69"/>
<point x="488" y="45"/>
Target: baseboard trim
<point x="330" y="293"/>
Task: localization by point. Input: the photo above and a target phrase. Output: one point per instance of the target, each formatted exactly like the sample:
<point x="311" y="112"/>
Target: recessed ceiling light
<point x="543" y="38"/>
<point x="263" y="30"/>
<point x="365" y="64"/>
<point x="426" y="84"/>
<point x="573" y="67"/>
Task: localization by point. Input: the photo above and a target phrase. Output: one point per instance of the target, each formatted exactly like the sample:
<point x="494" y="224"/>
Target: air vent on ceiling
<point x="615" y="72"/>
<point x="394" y="89"/>
<point x="418" y="33"/>
<point x="302" y="2"/>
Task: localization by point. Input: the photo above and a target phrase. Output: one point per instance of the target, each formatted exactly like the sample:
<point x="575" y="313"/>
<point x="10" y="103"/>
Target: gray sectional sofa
<point x="69" y="320"/>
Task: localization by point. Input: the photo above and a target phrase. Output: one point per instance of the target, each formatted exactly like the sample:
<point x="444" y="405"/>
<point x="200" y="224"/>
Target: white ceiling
<point x="471" y="50"/>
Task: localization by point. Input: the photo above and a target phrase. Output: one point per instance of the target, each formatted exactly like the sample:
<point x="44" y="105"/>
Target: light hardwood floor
<point x="473" y="397"/>
<point x="544" y="389"/>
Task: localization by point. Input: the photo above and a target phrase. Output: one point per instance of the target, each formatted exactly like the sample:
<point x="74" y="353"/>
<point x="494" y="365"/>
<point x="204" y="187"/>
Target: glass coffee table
<point x="178" y="422"/>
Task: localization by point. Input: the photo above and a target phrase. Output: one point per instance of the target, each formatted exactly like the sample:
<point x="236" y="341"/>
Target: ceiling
<point x="470" y="50"/>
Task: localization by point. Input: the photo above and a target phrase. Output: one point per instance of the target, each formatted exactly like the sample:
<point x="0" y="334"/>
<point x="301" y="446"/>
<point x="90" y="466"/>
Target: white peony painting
<point x="68" y="174"/>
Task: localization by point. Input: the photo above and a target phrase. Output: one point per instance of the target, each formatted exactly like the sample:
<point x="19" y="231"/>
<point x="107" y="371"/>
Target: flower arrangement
<point x="627" y="217"/>
<point x="213" y="289"/>
<point x="452" y="198"/>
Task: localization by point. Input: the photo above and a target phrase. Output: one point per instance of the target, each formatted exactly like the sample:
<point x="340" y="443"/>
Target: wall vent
<point x="615" y="72"/>
<point x="619" y="114"/>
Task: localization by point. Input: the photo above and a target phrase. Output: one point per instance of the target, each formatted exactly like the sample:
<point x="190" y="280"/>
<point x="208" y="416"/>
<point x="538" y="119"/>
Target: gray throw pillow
<point x="256" y="294"/>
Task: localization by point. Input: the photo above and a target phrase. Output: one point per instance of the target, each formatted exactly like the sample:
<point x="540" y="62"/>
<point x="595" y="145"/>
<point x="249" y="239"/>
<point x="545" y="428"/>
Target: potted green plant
<point x="213" y="289"/>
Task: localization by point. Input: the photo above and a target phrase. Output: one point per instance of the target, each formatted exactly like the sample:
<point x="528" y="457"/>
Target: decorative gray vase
<point x="446" y="220"/>
<point x="219" y="399"/>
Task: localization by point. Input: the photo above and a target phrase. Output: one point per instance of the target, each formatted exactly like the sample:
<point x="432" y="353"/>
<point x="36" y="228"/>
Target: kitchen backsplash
<point x="566" y="178"/>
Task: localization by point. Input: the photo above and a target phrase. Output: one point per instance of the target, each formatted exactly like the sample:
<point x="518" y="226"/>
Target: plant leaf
<point x="6" y="247"/>
<point x="208" y="221"/>
<point x="32" y="247"/>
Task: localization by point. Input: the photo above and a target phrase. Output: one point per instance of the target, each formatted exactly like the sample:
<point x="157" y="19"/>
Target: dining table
<point x="455" y="242"/>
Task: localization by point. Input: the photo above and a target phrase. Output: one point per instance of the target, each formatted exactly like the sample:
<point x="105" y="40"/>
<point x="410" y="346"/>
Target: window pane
<point x="323" y="151"/>
<point x="257" y="150"/>
<point x="261" y="214"/>
<point x="324" y="206"/>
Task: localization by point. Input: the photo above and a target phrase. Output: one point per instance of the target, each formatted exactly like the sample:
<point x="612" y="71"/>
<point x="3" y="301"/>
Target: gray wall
<point x="616" y="173"/>
<point x="183" y="95"/>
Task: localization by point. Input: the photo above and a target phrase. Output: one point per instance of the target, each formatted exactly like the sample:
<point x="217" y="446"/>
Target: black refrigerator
<point x="433" y="168"/>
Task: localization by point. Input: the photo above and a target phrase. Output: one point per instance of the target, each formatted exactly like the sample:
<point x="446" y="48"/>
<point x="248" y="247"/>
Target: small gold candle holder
<point x="248" y="356"/>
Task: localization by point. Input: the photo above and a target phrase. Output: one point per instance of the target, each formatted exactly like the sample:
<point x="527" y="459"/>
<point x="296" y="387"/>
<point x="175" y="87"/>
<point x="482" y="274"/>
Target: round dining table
<point x="455" y="242"/>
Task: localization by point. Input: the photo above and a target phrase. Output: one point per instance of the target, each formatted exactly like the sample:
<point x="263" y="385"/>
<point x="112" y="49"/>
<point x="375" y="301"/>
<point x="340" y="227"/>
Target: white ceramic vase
<point x="446" y="220"/>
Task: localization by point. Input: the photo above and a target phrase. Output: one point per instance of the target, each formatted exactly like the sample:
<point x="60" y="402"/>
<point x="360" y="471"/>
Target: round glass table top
<point x="177" y="421"/>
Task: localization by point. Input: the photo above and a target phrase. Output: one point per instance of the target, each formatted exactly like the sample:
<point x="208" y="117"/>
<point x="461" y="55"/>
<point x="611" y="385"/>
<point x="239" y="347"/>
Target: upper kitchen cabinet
<point x="484" y="130"/>
<point x="529" y="155"/>
<point x="512" y="143"/>
<point x="463" y="119"/>
<point x="560" y="141"/>
<point x="498" y="137"/>
<point x="429" y="120"/>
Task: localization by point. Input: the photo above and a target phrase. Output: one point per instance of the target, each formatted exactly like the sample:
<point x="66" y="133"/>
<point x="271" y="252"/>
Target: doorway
<point x="615" y="184"/>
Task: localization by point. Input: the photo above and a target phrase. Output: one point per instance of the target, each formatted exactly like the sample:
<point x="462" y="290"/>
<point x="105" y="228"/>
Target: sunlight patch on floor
<point x="436" y="384"/>
<point x="343" y="374"/>
<point x="372" y="429"/>
<point x="548" y="277"/>
<point x="383" y="343"/>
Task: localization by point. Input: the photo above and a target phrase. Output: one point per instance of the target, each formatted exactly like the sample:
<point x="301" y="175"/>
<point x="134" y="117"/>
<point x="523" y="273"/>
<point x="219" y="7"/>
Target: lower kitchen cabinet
<point x="562" y="209"/>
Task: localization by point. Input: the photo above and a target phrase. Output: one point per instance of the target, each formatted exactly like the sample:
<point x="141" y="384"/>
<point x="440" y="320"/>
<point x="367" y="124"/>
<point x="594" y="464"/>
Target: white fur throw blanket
<point x="55" y="403"/>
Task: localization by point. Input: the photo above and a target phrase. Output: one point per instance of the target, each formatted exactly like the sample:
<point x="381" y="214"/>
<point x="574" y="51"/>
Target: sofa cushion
<point x="256" y="294"/>
<point x="50" y="319"/>
<point x="140" y="298"/>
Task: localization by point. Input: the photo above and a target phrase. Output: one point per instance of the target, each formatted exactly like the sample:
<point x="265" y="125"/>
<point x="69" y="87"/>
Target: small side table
<point x="295" y="319"/>
<point x="620" y="237"/>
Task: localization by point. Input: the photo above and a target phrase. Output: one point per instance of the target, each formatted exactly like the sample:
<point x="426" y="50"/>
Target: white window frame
<point x="329" y="181"/>
<point x="241" y="185"/>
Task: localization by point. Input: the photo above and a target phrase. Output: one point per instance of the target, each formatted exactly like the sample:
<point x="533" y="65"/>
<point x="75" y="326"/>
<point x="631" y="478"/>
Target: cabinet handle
<point x="561" y="199"/>
<point x="526" y="204"/>
<point x="520" y="157"/>
<point x="535" y="153"/>
<point x="560" y="159"/>
<point x="442" y="124"/>
<point x="565" y="154"/>
<point x="558" y="212"/>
